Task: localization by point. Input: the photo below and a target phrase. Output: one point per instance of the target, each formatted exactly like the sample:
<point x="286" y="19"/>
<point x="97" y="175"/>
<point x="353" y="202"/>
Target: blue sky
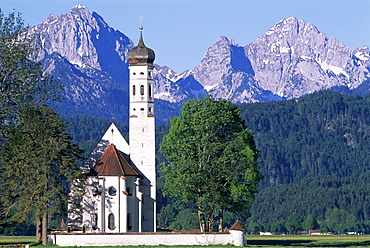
<point x="180" y="31"/>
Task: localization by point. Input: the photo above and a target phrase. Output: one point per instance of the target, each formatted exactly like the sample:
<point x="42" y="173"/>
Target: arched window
<point x="129" y="222"/>
<point x="112" y="191"/>
<point x="94" y="221"/>
<point x="95" y="191"/>
<point x="150" y="90"/>
<point x="142" y="90"/>
<point x="111" y="225"/>
<point x="133" y="90"/>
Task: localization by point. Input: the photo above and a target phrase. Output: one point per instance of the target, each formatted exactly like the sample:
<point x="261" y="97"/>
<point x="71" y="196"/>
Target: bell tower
<point x="142" y="129"/>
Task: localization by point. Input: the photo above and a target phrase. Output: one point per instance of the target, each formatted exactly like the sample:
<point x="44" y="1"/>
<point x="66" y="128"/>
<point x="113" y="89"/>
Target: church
<point x="120" y="177"/>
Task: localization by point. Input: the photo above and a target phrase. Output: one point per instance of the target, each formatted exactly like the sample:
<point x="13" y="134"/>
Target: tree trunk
<point x="202" y="221"/>
<point x="220" y="220"/>
<point x="211" y="218"/>
<point x="38" y="228"/>
<point x="45" y="229"/>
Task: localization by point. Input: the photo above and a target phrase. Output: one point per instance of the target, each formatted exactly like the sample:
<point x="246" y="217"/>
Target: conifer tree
<point x="38" y="161"/>
<point x="212" y="159"/>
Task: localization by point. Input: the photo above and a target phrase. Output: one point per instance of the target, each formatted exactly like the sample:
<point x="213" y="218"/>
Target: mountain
<point x="294" y="58"/>
<point x="291" y="59"/>
<point x="90" y="59"/>
<point x="85" y="40"/>
<point x="226" y="72"/>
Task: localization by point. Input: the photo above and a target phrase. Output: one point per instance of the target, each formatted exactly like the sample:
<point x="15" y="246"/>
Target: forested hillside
<point x="314" y="155"/>
<point x="314" y="195"/>
<point x="325" y="133"/>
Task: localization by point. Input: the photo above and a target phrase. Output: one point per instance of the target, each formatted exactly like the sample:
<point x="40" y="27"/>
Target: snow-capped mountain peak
<point x="293" y="58"/>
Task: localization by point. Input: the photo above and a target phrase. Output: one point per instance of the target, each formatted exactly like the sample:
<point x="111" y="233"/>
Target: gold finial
<point x="141" y="18"/>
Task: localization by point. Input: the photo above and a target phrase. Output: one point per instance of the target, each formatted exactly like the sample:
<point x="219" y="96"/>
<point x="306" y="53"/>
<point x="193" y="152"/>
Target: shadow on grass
<point x="346" y="244"/>
<point x="278" y="242"/>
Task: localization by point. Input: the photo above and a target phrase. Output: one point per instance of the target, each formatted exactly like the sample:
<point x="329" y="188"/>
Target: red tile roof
<point x="237" y="226"/>
<point x="112" y="163"/>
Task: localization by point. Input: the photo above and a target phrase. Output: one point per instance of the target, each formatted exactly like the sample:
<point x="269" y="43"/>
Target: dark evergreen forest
<point x="314" y="156"/>
<point x="325" y="133"/>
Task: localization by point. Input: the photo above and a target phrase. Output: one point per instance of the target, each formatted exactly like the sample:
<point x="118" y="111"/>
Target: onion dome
<point x="141" y="55"/>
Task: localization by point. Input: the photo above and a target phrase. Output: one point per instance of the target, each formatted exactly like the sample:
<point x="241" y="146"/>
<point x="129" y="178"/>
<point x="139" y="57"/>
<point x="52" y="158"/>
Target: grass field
<point x="309" y="241"/>
<point x="252" y="241"/>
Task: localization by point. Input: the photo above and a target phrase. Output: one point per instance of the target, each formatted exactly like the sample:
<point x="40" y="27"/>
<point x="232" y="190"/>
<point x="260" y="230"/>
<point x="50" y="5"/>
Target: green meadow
<point x="308" y="241"/>
<point x="251" y="241"/>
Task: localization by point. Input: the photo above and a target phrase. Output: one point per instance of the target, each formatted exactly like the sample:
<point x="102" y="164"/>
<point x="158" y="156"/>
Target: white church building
<point x="120" y="177"/>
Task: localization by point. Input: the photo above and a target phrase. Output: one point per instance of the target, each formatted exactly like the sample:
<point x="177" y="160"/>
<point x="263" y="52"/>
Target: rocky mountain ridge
<point x="90" y="59"/>
<point x="291" y="59"/>
<point x="294" y="58"/>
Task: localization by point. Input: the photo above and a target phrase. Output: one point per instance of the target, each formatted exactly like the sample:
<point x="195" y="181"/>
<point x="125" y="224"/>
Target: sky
<point x="181" y="31"/>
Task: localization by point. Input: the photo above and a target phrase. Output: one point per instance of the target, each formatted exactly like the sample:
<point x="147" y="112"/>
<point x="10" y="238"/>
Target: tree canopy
<point x="313" y="155"/>
<point x="294" y="223"/>
<point x="37" y="159"/>
<point x="212" y="159"/>
<point x="37" y="162"/>
<point x="22" y="81"/>
<point x="339" y="219"/>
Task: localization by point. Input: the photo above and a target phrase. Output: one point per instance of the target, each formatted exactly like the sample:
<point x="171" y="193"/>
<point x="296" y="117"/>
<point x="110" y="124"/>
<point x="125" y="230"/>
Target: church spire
<point x="141" y="55"/>
<point x="142" y="127"/>
<point x="141" y="41"/>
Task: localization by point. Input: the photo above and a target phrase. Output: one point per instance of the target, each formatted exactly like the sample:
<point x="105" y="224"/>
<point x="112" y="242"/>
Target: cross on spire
<point x="141" y="18"/>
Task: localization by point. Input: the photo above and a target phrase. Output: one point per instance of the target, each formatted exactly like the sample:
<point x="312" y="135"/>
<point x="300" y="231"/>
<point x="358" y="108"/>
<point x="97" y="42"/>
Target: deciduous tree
<point x="21" y="79"/>
<point x="310" y="223"/>
<point x="294" y="223"/>
<point x="339" y="219"/>
<point x="212" y="159"/>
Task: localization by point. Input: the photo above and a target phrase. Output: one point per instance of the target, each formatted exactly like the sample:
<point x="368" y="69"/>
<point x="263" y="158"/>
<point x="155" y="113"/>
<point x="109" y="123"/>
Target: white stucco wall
<point x="149" y="239"/>
<point x="142" y="140"/>
<point x="120" y="205"/>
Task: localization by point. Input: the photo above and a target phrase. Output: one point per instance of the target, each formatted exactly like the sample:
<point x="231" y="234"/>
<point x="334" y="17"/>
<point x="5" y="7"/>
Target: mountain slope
<point x="87" y="90"/>
<point x="291" y="59"/>
<point x="325" y="133"/>
<point x="90" y="58"/>
<point x="85" y="40"/>
<point x="294" y="58"/>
